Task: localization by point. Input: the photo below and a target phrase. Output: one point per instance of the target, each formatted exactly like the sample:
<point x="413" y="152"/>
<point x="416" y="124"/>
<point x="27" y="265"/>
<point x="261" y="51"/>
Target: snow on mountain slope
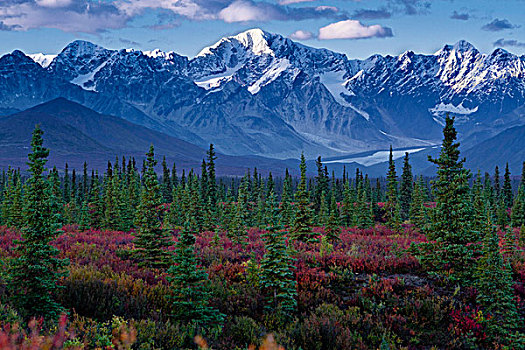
<point x="42" y="59"/>
<point x="255" y="91"/>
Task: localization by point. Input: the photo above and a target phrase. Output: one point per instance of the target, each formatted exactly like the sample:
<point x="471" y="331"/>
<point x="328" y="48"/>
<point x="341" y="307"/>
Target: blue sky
<point x="358" y="28"/>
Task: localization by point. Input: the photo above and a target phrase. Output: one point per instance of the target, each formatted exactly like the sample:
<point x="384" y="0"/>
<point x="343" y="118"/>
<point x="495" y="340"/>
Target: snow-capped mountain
<point x="260" y="93"/>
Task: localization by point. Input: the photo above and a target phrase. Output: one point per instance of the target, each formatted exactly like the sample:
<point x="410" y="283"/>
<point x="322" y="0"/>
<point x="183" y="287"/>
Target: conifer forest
<point x="146" y="256"/>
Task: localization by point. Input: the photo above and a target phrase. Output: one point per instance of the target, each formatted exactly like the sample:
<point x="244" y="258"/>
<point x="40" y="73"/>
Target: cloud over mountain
<point x="352" y="29"/>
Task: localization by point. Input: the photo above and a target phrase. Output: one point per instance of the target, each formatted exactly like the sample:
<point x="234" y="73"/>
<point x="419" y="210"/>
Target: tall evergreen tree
<point x="287" y="210"/>
<point x="212" y="180"/>
<point x="36" y="271"/>
<point x="166" y="187"/>
<point x="451" y="233"/>
<point x="152" y="239"/>
<point x="417" y="208"/>
<point x="348" y="207"/>
<point x="507" y="187"/>
<point x="480" y="206"/>
<point x="189" y="284"/>
<point x="321" y="186"/>
<point x="67" y="185"/>
<point x="277" y="268"/>
<point x="392" y="216"/>
<point x="496" y="293"/>
<point x="301" y="229"/>
<point x="332" y="228"/>
<point x="406" y="188"/>
<point x="497" y="190"/>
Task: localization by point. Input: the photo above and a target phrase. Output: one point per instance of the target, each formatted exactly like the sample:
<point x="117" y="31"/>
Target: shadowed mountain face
<point x="75" y="133"/>
<point x="258" y="93"/>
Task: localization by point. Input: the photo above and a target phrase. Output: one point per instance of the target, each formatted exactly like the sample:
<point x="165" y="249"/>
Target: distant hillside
<point x="507" y="145"/>
<point x="76" y="134"/>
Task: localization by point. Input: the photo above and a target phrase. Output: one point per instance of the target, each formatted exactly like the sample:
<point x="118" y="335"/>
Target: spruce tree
<point x="392" y="215"/>
<point x="166" y="187"/>
<point x="496" y="293"/>
<point x="301" y="229"/>
<point x="85" y="186"/>
<point x="450" y="250"/>
<point x="332" y="228"/>
<point x="152" y="239"/>
<point x="417" y="208"/>
<point x="405" y="190"/>
<point x="287" y="209"/>
<point x="497" y="190"/>
<point x="110" y="189"/>
<point x="96" y="204"/>
<point x="67" y="185"/>
<point x="348" y="207"/>
<point x="517" y="215"/>
<point x="507" y="187"/>
<point x="277" y="278"/>
<point x="189" y="284"/>
<point x="321" y="187"/>
<point x="7" y="198"/>
<point x="502" y="217"/>
<point x="212" y="180"/>
<point x="479" y="205"/>
<point x="36" y="270"/>
<point x="365" y="216"/>
<point x="16" y="215"/>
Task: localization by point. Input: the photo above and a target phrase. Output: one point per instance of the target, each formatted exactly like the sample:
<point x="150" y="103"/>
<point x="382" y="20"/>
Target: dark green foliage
<point x="152" y="239"/>
<point x="507" y="187"/>
<point x="497" y="190"/>
<point x="494" y="284"/>
<point x="392" y="210"/>
<point x="332" y="228"/>
<point x="96" y="205"/>
<point x="418" y="215"/>
<point x="67" y="185"/>
<point x="405" y="190"/>
<point x="348" y="207"/>
<point x="517" y="215"/>
<point x="212" y="180"/>
<point x="301" y="229"/>
<point x="287" y="210"/>
<point x="166" y="187"/>
<point x="13" y="200"/>
<point x="480" y="206"/>
<point x="365" y="210"/>
<point x="189" y="285"/>
<point x="450" y="233"/>
<point x="111" y="193"/>
<point x="277" y="278"/>
<point x="321" y="187"/>
<point x="36" y="271"/>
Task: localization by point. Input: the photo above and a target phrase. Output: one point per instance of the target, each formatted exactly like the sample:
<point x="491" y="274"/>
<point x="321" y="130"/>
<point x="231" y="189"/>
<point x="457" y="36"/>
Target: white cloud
<point x="243" y="11"/>
<point x="186" y="8"/>
<point x="301" y="35"/>
<point x="84" y="18"/>
<point x="326" y="8"/>
<point x="53" y="3"/>
<point x="288" y="2"/>
<point x="92" y="16"/>
<point x="352" y="29"/>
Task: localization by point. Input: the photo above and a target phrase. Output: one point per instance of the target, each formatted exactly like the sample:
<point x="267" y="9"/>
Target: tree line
<point x="460" y="224"/>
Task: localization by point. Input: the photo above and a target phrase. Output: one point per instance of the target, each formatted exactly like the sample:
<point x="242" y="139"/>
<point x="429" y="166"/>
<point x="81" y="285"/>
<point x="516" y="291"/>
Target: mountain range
<point x="261" y="94"/>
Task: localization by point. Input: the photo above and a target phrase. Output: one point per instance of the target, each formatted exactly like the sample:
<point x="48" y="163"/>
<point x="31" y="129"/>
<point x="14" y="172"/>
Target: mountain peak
<point x="255" y="40"/>
<point x="82" y="48"/>
<point x="461" y="47"/>
<point x="16" y="56"/>
<point x="42" y="59"/>
<point x="464" y="46"/>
